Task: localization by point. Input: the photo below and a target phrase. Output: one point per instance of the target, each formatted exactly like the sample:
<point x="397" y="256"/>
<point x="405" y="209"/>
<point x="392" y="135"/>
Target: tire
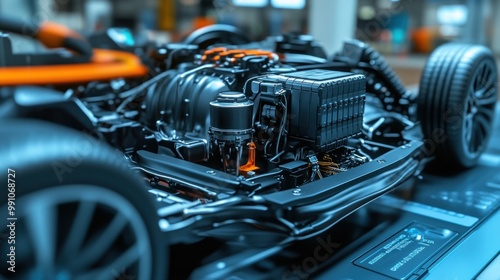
<point x="81" y="213"/>
<point x="456" y="103"/>
<point x="217" y="34"/>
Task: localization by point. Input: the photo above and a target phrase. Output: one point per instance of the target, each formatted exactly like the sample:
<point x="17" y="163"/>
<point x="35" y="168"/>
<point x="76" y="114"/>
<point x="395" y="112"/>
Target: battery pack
<point x="326" y="106"/>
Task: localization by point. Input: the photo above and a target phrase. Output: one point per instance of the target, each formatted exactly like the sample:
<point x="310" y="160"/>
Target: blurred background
<point x="405" y="31"/>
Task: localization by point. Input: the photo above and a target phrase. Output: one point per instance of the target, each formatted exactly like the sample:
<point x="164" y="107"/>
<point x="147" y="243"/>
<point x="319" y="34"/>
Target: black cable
<point x="133" y="93"/>
<point x="14" y="25"/>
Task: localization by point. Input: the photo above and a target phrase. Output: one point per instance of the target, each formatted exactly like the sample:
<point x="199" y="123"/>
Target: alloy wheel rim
<point x="479" y="109"/>
<point x="61" y="248"/>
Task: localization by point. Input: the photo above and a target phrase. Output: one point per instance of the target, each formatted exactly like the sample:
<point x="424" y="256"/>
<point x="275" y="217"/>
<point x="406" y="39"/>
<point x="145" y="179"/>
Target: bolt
<point x="296" y="192"/>
<point x="163" y="224"/>
<point x="381" y="161"/>
<point x="211" y="172"/>
<point x="221" y="265"/>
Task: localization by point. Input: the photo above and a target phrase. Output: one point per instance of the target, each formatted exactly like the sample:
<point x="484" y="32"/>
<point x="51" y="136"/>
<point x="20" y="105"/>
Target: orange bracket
<point x="250" y="166"/>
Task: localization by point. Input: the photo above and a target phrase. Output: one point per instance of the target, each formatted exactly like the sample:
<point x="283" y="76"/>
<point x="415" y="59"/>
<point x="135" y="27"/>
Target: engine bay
<point x="273" y="130"/>
<point x="248" y="115"/>
<point x="218" y="141"/>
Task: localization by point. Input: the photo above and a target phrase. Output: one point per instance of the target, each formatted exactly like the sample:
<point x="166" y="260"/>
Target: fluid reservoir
<point x="231" y="113"/>
<point x="231" y="127"/>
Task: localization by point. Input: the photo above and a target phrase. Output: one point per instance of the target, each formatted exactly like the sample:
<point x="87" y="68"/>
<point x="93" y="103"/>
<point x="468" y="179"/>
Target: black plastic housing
<point x="325" y="107"/>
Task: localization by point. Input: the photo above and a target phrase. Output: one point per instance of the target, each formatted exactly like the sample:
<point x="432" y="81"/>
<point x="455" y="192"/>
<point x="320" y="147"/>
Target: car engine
<point x="218" y="141"/>
<point x="220" y="111"/>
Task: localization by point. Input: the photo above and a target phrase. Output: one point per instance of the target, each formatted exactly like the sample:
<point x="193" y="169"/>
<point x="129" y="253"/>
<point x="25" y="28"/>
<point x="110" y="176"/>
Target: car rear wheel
<point x="79" y="212"/>
<point x="456" y="103"/>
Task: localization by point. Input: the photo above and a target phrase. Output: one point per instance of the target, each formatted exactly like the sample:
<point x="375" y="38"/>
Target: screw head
<point x="221" y="265"/>
<point x="164" y="224"/>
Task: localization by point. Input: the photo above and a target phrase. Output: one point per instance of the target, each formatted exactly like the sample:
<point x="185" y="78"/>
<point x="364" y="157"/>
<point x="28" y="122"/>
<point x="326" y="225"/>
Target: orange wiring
<point x="52" y="35"/>
<point x="104" y="65"/>
<point x="233" y="56"/>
